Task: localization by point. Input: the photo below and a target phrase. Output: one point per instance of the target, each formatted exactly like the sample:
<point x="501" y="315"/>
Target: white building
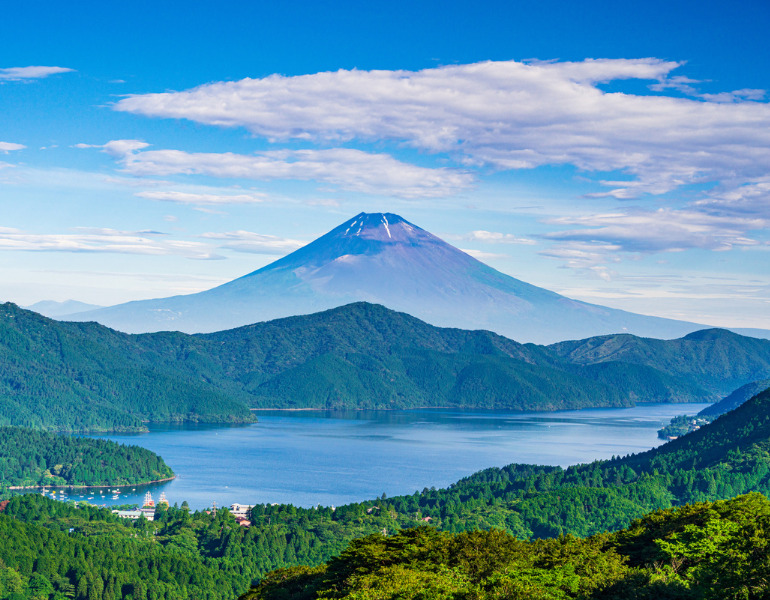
<point x="241" y="510"/>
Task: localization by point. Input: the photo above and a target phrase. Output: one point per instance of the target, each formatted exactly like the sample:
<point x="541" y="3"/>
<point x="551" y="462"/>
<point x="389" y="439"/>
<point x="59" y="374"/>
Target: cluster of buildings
<point x="241" y="512"/>
<point x="148" y="508"/>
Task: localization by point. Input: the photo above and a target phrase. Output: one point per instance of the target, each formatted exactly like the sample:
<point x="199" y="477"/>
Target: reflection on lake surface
<point x="331" y="458"/>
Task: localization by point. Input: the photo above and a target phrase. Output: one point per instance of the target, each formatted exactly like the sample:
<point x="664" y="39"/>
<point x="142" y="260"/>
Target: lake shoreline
<point x="84" y="487"/>
<point x="462" y="409"/>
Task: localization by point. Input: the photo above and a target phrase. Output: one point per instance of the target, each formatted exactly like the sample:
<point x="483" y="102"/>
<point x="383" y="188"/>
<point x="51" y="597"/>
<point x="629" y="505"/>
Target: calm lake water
<point x="309" y="458"/>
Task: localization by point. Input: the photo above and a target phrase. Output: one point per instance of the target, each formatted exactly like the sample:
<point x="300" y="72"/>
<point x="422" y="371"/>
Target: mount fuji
<point x="382" y="258"/>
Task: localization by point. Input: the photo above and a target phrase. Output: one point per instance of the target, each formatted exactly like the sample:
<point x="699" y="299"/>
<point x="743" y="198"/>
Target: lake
<point x="330" y="458"/>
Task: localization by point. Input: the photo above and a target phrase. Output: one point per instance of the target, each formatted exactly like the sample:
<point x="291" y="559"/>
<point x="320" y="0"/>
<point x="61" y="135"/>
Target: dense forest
<point x="38" y="458"/>
<point x="220" y="558"/>
<point x="86" y="377"/>
<point x="708" y="551"/>
<point x="81" y="377"/>
<point x="55" y="550"/>
<point x="702" y="551"/>
<point x="719" y="360"/>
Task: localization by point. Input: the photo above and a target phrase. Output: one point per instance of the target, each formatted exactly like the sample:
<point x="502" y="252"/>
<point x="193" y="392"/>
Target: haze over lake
<point x="330" y="458"/>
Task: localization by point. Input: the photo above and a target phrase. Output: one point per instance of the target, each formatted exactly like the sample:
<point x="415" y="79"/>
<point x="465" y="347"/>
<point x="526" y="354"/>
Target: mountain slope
<point x="720" y="360"/>
<point x="352" y="357"/>
<point x="382" y="258"/>
<point x="366" y="356"/>
<point x="736" y="398"/>
<point x="55" y="310"/>
<point x="84" y="376"/>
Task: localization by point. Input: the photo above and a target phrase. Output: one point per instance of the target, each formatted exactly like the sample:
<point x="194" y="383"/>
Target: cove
<point x="308" y="458"/>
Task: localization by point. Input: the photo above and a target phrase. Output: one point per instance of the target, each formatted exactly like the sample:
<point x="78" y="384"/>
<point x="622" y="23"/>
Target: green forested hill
<point x="39" y="458"/>
<point x="86" y="377"/>
<point x="710" y="551"/>
<point x="83" y="376"/>
<point x="721" y="361"/>
<point x="52" y="550"/>
<point x="736" y="398"/>
<point x="682" y="424"/>
<point x="366" y="356"/>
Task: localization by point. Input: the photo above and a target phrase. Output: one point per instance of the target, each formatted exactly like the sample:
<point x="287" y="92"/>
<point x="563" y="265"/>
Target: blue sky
<point x="616" y="154"/>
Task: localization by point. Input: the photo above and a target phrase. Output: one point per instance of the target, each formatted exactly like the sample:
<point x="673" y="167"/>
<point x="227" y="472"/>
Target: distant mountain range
<point x="382" y="258"/>
<point x="53" y="309"/>
<point x="83" y="376"/>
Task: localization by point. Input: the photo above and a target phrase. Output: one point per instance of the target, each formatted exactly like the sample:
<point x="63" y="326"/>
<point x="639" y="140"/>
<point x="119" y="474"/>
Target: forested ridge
<point x="86" y="377"/>
<point x="81" y="377"/>
<point x="38" y="458"/>
<point x="719" y="360"/>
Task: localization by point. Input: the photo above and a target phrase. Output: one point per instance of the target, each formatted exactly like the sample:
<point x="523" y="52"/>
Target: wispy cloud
<point x="662" y="230"/>
<point x="196" y="198"/>
<point x="6" y="147"/>
<point x="116" y="148"/>
<point x="22" y="73"/>
<point x="584" y="255"/>
<point x="506" y="115"/>
<point x="349" y="169"/>
<point x="481" y="255"/>
<point x="104" y="240"/>
<point x="736" y="96"/>
<point x="254" y="243"/>
<point x="495" y="237"/>
<point x="747" y="200"/>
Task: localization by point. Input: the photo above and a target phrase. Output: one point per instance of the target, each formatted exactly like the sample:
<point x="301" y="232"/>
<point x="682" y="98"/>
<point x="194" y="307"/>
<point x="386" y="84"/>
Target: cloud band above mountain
<point x="506" y="115"/>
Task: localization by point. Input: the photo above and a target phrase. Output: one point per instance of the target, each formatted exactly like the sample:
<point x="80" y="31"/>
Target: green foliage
<point x="717" y="359"/>
<point x="724" y="459"/>
<point x="714" y="551"/>
<point x="38" y="458"/>
<point x="102" y="558"/>
<point x="86" y="377"/>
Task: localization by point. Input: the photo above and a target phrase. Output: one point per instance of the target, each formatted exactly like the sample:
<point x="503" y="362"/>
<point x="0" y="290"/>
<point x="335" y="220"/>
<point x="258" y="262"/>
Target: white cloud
<point x="507" y="115"/>
<point x="481" y="255"/>
<point x="494" y="237"/>
<point x="103" y="240"/>
<point x="348" y="169"/>
<point x="22" y="73"/>
<point x="584" y="255"/>
<point x="196" y="198"/>
<point x="328" y="202"/>
<point x="255" y="243"/>
<point x="736" y="96"/>
<point x="662" y="230"/>
<point x="6" y="147"/>
<point x="678" y="83"/>
<point x="748" y="200"/>
<point x="117" y="148"/>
